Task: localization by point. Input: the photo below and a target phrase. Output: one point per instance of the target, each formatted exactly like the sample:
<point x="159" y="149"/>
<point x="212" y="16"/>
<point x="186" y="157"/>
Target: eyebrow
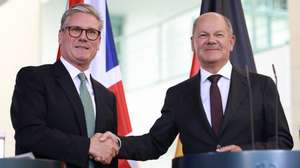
<point x="82" y="27"/>
<point x="218" y="31"/>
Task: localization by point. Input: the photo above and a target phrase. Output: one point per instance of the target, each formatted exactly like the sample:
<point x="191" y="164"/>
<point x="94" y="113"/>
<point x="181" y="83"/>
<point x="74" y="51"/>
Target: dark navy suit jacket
<point x="183" y="113"/>
<point x="48" y="116"/>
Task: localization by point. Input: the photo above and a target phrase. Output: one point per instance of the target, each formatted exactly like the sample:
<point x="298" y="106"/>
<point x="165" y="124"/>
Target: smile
<point x="212" y="49"/>
<point x="84" y="47"/>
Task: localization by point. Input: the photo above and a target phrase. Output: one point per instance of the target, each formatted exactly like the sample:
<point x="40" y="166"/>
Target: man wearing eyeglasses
<point x="58" y="110"/>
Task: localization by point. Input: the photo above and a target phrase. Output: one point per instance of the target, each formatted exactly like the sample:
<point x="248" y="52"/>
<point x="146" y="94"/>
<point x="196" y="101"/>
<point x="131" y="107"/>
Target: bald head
<point x="215" y="16"/>
<point x="212" y="41"/>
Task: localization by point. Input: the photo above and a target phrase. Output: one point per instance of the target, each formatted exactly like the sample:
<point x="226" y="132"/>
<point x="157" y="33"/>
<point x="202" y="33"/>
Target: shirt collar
<point x="73" y="71"/>
<point x="225" y="71"/>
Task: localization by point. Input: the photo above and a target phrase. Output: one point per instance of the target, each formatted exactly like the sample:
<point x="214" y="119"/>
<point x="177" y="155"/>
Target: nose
<point x="211" y="39"/>
<point x="82" y="36"/>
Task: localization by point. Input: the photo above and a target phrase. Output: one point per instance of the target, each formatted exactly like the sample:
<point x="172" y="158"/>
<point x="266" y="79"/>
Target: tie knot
<point x="214" y="78"/>
<point x="82" y="77"/>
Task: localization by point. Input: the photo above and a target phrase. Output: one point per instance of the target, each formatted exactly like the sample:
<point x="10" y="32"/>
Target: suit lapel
<point x="65" y="81"/>
<point x="237" y="93"/>
<point x="198" y="105"/>
<point x="100" y="117"/>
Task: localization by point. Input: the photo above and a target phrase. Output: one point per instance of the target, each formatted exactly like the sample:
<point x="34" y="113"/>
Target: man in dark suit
<point x="211" y="110"/>
<point x="57" y="108"/>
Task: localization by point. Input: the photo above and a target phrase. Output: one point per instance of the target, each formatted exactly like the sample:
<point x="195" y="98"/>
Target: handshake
<point x="104" y="147"/>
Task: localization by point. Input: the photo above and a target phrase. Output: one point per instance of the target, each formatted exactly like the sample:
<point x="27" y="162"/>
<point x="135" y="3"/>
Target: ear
<point x="232" y="42"/>
<point x="194" y="47"/>
<point x="192" y="44"/>
<point x="60" y="36"/>
<point x="99" y="42"/>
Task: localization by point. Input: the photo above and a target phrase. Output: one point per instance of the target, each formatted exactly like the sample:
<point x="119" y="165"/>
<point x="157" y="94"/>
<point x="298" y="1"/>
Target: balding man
<point x="211" y="110"/>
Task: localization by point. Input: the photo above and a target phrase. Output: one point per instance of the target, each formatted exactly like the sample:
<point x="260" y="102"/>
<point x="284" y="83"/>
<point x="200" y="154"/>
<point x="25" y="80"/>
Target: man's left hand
<point x="230" y="148"/>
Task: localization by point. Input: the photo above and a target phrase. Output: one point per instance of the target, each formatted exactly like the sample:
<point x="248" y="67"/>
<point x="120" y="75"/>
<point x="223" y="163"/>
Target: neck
<point x="81" y="67"/>
<point x="213" y="67"/>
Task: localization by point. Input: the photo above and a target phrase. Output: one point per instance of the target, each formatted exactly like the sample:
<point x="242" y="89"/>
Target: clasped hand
<point x="103" y="147"/>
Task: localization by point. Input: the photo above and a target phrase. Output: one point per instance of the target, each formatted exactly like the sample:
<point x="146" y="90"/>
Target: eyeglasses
<point x="75" y="31"/>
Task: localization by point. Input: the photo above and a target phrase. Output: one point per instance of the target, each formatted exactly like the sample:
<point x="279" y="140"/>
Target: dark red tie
<point x="215" y="104"/>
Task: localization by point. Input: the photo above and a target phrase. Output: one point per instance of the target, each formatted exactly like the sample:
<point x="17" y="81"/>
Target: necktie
<point x="87" y="103"/>
<point x="215" y="104"/>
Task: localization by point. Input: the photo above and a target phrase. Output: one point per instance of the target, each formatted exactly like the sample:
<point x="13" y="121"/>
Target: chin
<point x="83" y="56"/>
<point x="212" y="58"/>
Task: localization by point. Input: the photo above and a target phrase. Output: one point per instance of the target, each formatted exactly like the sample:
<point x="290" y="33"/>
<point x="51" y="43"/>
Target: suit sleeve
<point x="157" y="141"/>
<point x="271" y="103"/>
<point x="32" y="134"/>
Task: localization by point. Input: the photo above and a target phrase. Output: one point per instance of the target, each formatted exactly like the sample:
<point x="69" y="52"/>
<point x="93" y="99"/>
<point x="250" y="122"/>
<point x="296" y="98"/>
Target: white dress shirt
<point x="223" y="84"/>
<point x="73" y="71"/>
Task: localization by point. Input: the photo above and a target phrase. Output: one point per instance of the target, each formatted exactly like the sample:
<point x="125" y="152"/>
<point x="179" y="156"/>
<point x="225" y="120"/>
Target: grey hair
<point x="227" y="22"/>
<point x="81" y="8"/>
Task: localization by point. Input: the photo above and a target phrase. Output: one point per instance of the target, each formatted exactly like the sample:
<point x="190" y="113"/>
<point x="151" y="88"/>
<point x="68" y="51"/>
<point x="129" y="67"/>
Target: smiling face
<point x="79" y="51"/>
<point x="212" y="41"/>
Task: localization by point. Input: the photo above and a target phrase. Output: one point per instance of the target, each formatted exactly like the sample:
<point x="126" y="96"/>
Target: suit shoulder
<point x="102" y="88"/>
<point x="34" y="72"/>
<point x="185" y="85"/>
<point x="256" y="78"/>
<point x="261" y="78"/>
<point x="254" y="75"/>
<point x="35" y="69"/>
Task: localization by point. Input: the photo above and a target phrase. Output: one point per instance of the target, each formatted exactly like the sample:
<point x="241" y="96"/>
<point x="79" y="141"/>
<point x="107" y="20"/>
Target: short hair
<point x="227" y="22"/>
<point x="81" y="8"/>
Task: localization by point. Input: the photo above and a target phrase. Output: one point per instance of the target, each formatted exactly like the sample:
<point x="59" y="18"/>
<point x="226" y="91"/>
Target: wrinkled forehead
<point x="81" y="8"/>
<point x="84" y="20"/>
<point x="211" y="21"/>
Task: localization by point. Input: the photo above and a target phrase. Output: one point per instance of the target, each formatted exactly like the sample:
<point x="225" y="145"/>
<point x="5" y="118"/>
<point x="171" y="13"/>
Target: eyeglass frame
<point x="81" y="30"/>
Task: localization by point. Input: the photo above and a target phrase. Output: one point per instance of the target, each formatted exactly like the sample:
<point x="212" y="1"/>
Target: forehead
<point x="84" y="20"/>
<point x="211" y="22"/>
